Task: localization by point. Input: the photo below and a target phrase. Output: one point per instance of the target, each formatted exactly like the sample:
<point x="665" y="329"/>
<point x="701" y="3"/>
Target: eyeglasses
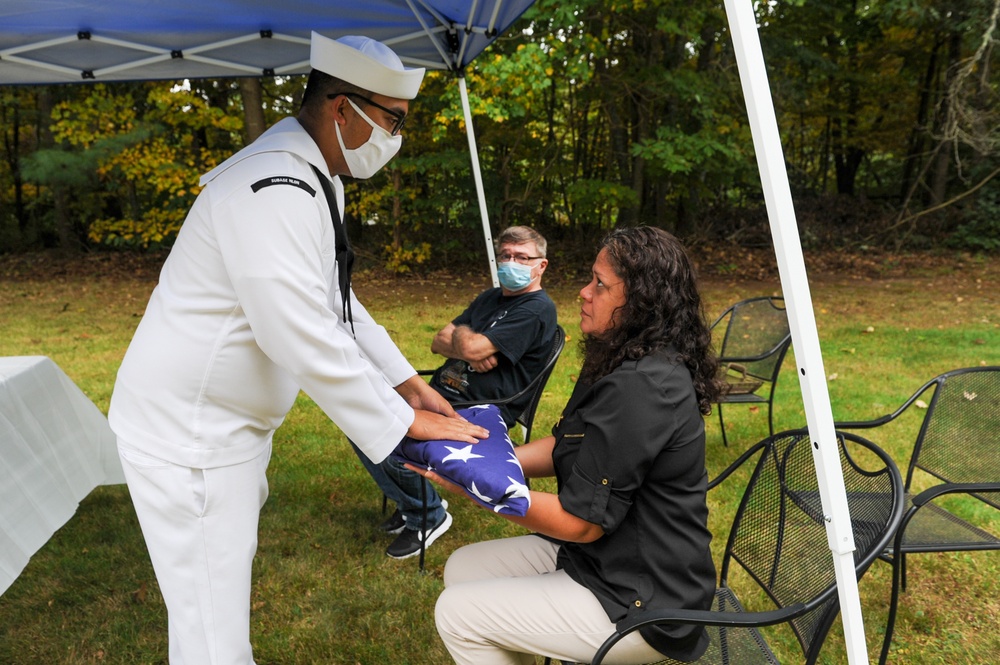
<point x="399" y="118"/>
<point x="520" y="258"/>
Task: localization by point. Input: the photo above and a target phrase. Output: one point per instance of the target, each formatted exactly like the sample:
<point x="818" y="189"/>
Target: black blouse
<point x="630" y="457"/>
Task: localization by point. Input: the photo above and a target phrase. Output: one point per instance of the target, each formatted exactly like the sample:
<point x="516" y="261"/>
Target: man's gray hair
<point x="515" y="235"/>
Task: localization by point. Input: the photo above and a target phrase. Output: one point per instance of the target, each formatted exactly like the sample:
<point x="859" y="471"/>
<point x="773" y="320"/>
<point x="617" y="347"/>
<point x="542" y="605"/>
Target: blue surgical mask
<point x="513" y="276"/>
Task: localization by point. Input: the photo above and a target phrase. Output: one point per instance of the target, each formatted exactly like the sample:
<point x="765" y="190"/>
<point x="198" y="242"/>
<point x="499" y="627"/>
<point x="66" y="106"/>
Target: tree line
<point x="588" y="114"/>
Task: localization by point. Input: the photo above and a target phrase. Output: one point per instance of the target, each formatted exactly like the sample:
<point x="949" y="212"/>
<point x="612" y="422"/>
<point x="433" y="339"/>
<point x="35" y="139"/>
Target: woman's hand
<point x="443" y="483"/>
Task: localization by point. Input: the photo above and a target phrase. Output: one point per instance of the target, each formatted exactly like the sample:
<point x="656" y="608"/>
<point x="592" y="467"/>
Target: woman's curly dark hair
<point x="662" y="309"/>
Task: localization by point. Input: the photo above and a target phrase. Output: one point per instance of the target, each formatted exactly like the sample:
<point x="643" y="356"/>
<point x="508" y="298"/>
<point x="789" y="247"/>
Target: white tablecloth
<point x="55" y="447"/>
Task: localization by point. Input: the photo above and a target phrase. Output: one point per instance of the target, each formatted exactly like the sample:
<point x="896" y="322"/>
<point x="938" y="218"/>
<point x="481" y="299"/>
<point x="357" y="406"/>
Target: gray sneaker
<point x="407" y="543"/>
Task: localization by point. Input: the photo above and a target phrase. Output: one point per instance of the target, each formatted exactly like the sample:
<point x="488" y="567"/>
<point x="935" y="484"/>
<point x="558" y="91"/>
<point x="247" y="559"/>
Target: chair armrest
<point x="698" y="617"/>
<point x="953" y="488"/>
<point x="728" y="471"/>
<point x="785" y="341"/>
<point x="710" y="618"/>
<point x="425" y="372"/>
<point x="867" y="424"/>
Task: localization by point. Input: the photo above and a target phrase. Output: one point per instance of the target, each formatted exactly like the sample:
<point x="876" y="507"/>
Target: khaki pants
<point x="200" y="527"/>
<point x="504" y="601"/>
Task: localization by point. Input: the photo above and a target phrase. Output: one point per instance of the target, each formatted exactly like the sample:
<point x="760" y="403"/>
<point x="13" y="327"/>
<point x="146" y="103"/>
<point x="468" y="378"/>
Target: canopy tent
<point x="60" y="41"/>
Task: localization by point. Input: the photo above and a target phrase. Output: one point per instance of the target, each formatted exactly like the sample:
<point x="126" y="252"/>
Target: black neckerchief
<point x="344" y="253"/>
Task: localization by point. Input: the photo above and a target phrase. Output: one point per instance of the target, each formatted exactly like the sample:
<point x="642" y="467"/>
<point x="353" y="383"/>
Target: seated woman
<point x="627" y="531"/>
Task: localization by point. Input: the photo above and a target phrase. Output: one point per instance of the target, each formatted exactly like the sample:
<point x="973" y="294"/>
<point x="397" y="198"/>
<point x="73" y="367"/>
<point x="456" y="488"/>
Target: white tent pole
<point x="478" y="176"/>
<point x="801" y="318"/>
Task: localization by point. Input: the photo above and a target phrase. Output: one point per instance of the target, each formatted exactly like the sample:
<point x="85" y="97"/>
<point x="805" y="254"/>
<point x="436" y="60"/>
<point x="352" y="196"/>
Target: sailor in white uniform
<point x="253" y="304"/>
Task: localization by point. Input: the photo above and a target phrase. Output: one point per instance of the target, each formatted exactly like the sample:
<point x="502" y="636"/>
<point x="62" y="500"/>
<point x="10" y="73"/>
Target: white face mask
<point x="366" y="160"/>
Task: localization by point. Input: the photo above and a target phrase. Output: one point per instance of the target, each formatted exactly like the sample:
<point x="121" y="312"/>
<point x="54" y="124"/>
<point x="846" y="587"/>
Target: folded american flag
<point x="488" y="470"/>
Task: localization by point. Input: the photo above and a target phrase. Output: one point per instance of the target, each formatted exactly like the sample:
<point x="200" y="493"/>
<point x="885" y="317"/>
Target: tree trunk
<point x="917" y="143"/>
<point x="12" y="149"/>
<point x="68" y="242"/>
<point x="253" y="108"/>
<point x="942" y="161"/>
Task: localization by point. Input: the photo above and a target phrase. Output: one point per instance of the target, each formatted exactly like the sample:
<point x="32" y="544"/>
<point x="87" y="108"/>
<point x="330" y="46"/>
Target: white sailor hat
<point x="366" y="63"/>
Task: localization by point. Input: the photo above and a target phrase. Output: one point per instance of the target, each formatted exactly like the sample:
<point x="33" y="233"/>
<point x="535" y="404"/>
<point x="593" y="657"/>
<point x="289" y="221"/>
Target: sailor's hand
<point x="419" y="395"/>
<point x="428" y="426"/>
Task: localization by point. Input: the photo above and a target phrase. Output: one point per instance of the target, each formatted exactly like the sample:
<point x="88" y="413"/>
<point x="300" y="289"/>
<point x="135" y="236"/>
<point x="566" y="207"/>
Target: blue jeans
<point x="403" y="486"/>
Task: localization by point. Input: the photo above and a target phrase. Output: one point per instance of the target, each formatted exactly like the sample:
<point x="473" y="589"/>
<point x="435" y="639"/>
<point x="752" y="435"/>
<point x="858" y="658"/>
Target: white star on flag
<point x="463" y="454"/>
<point x="475" y="492"/>
<point x="514" y="490"/>
<point x="517" y="489"/>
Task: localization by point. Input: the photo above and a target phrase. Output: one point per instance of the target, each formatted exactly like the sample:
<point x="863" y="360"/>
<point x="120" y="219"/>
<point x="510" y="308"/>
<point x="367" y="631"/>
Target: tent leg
<point x="477" y="174"/>
<point x="801" y="318"/>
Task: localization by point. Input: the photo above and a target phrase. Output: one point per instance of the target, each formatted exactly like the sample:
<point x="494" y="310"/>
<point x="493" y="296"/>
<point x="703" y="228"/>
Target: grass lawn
<point x="324" y="591"/>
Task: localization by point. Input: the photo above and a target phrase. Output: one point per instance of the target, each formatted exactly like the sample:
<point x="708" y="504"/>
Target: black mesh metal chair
<point x="778" y="538"/>
<point x="958" y="452"/>
<point x="756" y="340"/>
<point x="526" y="418"/>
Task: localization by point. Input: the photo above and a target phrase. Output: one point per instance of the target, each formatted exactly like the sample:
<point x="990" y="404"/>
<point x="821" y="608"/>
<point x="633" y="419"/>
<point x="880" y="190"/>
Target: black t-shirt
<point x="522" y="328"/>
<point x="630" y="456"/>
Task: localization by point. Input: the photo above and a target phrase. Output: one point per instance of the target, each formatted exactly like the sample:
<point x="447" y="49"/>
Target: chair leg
<point x="385" y="503"/>
<point x="423" y="529"/>
<point x="722" y="426"/>
<point x="893" y="607"/>
<point x="902" y="567"/>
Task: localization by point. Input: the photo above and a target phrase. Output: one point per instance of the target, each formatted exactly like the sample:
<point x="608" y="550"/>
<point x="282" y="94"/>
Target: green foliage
<point x="676" y="151"/>
<point x="981" y="229"/>
<point x="595" y="203"/>
<point x="402" y="259"/>
<point x="502" y="88"/>
<point x="136" y="151"/>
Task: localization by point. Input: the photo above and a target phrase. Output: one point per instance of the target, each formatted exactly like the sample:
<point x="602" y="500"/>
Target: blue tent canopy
<point x="60" y="41"/>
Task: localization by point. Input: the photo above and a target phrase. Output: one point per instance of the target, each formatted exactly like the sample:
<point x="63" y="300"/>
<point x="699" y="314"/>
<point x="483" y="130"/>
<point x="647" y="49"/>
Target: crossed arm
<point x="462" y="343"/>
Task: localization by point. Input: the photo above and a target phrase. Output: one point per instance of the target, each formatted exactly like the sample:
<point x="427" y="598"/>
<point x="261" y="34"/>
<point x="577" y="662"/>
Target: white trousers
<point x="504" y="601"/>
<point x="200" y="527"/>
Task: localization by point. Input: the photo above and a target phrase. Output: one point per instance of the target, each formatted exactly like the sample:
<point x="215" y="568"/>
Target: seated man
<point x="494" y="349"/>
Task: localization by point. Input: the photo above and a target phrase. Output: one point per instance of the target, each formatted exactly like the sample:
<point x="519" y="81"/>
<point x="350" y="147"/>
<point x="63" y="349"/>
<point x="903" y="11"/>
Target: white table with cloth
<point x="55" y="447"/>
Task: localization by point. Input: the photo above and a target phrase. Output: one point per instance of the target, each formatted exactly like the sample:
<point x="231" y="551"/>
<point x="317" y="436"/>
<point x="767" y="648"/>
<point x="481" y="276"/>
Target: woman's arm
<point x="536" y="457"/>
<point x="546" y="516"/>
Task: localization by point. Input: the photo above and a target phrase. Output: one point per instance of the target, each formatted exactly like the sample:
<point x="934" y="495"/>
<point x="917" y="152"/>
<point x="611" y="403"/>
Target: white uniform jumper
<point x="246" y="313"/>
